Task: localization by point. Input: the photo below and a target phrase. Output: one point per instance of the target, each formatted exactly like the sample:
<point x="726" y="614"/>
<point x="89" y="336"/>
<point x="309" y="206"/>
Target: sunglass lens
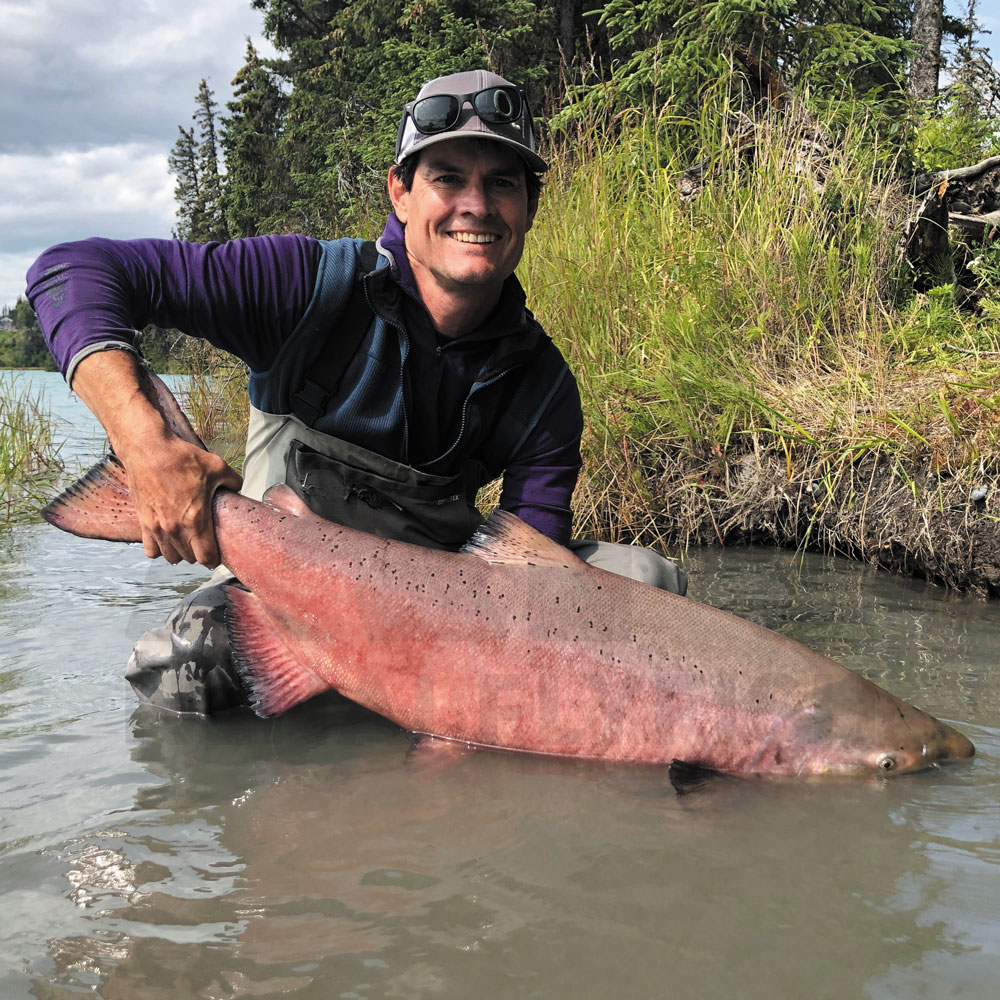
<point x="498" y="105"/>
<point x="435" y="114"/>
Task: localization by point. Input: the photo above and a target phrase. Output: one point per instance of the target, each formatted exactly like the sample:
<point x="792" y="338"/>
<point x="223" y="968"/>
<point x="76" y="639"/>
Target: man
<point x="388" y="382"/>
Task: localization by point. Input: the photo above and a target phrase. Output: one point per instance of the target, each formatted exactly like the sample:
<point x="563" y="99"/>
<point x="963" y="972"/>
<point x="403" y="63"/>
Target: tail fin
<point x="163" y="399"/>
<point x="97" y="506"/>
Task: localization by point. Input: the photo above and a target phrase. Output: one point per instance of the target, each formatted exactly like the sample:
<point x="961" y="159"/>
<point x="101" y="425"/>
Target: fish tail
<point x="97" y="506"/>
<point x="100" y="505"/>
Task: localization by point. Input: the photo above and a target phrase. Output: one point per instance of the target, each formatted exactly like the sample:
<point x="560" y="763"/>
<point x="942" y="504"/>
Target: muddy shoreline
<point x="910" y="518"/>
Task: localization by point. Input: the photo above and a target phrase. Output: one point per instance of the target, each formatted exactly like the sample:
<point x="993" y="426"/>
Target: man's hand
<point x="172" y="481"/>
<point x="172" y="486"/>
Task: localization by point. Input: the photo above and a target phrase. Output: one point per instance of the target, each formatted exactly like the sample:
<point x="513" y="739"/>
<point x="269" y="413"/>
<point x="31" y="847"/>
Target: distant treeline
<point x="305" y="142"/>
<point x="21" y="343"/>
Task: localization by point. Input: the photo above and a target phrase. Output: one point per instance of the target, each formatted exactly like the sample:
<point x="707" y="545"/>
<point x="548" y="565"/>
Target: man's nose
<point x="475" y="199"/>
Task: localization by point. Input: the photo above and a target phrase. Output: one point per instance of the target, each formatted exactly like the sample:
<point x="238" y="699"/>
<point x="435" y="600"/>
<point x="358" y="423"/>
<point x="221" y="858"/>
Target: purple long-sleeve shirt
<point x="247" y="296"/>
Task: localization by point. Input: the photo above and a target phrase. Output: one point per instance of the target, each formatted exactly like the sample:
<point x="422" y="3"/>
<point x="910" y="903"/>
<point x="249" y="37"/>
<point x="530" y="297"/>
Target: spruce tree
<point x="925" y="66"/>
<point x="255" y="197"/>
<point x="183" y="164"/>
<point x="209" y="210"/>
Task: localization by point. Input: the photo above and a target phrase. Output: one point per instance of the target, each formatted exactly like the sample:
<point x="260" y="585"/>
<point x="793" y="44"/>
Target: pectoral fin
<point x="274" y="676"/>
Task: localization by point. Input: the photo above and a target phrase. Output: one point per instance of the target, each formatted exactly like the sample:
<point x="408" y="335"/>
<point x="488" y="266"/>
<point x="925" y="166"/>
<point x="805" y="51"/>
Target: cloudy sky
<point x="91" y="94"/>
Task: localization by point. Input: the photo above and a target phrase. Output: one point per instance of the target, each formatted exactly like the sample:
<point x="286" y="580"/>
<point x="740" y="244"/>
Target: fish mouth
<point x="950" y="744"/>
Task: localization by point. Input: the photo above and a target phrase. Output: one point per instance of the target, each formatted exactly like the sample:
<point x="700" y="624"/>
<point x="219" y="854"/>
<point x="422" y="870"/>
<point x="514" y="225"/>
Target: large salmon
<point x="517" y="644"/>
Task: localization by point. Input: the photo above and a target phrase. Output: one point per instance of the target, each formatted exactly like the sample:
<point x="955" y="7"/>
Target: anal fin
<point x="435" y="754"/>
<point x="274" y="676"/>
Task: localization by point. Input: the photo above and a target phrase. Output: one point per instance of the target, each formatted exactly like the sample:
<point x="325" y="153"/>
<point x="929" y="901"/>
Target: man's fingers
<point x="204" y="546"/>
<point x="175" y="506"/>
<point x="154" y="544"/>
<point x="230" y="479"/>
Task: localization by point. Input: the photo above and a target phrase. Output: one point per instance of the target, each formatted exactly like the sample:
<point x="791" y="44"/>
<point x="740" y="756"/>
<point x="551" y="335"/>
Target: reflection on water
<point x="316" y="856"/>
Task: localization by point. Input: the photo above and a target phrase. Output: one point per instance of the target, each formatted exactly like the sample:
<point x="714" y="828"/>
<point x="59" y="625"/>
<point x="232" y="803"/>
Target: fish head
<point x="874" y="734"/>
<point x="937" y="744"/>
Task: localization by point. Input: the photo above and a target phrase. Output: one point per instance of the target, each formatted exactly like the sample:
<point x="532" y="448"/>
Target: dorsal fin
<point x="285" y="498"/>
<point x="505" y="538"/>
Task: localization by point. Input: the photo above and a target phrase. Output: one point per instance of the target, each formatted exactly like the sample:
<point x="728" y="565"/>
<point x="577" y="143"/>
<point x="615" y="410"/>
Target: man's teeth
<point x="475" y="237"/>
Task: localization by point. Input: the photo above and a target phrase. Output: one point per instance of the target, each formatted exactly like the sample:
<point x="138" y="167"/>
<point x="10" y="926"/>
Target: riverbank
<point x="754" y="364"/>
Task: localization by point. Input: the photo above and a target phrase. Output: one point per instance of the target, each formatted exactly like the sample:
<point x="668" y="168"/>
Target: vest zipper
<point x="403" y="355"/>
<point x="465" y="410"/>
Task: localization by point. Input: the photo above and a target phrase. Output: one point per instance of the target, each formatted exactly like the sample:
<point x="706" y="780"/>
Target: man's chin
<point x="477" y="277"/>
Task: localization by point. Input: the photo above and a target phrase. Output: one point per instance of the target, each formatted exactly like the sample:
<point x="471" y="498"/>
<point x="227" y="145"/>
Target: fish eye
<point x="886" y="762"/>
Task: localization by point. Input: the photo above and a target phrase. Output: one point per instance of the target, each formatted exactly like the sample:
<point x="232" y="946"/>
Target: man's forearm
<point x="172" y="478"/>
<point x="111" y="384"/>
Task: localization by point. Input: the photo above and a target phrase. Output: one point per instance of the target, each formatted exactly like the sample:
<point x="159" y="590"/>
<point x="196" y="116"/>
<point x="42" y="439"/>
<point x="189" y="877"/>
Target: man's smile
<point x="467" y="237"/>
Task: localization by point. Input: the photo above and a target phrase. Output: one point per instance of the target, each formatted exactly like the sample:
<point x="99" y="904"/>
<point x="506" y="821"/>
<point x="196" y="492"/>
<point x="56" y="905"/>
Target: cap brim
<point x="534" y="161"/>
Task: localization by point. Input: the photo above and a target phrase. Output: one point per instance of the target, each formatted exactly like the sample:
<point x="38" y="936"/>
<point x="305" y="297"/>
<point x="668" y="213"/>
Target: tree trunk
<point x="569" y="14"/>
<point x="926" y="64"/>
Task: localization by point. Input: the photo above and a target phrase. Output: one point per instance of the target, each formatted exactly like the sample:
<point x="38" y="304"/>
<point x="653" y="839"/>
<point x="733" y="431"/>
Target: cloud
<point x="13" y="267"/>
<point x="79" y="74"/>
<point x="121" y="191"/>
<point x="91" y="95"/>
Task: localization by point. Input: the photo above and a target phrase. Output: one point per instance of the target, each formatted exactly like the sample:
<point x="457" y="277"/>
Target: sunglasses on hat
<point x="440" y="112"/>
<point x="507" y="105"/>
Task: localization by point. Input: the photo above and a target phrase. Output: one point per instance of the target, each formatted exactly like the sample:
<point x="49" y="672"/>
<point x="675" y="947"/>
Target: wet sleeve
<point x="245" y="296"/>
<point x="538" y="484"/>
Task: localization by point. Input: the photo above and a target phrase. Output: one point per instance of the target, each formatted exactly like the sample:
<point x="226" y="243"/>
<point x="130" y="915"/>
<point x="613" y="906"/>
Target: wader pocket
<point x="363" y="490"/>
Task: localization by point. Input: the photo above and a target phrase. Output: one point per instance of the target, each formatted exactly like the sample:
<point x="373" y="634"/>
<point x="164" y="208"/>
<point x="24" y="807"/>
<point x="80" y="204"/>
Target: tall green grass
<point x="29" y="455"/>
<point x="769" y="310"/>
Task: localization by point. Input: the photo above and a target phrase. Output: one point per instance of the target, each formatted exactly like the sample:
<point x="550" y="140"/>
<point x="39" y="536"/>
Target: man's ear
<point x="532" y="208"/>
<point x="398" y="195"/>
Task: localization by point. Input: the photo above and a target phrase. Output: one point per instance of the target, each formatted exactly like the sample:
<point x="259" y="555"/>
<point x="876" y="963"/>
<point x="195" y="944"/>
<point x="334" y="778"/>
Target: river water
<point x="313" y="856"/>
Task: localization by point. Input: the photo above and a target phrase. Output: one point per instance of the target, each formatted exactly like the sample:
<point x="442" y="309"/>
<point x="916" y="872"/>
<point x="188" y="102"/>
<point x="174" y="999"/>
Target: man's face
<point x="466" y="216"/>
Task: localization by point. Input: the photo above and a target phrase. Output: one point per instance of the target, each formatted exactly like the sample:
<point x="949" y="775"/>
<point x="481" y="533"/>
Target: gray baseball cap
<point x="483" y="105"/>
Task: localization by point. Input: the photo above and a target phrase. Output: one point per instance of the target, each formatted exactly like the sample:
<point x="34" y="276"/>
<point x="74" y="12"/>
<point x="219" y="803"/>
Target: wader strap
<point x="340" y="345"/>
